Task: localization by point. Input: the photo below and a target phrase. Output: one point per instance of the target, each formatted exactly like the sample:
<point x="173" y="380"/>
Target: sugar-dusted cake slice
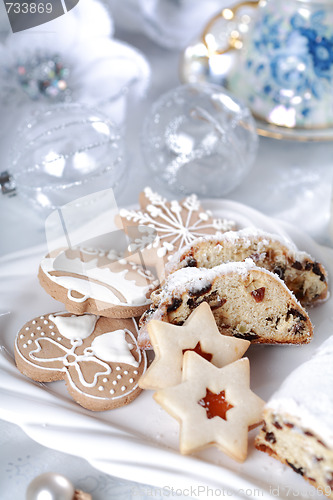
<point x="298" y="428"/>
<point x="248" y="302"/>
<point x="306" y="277"/>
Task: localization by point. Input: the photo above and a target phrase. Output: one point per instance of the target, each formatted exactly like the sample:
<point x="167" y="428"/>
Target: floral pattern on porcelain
<point x="288" y="64"/>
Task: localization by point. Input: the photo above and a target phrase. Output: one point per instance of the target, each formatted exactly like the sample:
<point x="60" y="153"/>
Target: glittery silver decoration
<point x="44" y="77"/>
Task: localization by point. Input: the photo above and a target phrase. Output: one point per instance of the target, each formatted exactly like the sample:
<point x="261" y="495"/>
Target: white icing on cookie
<point x="75" y="327"/>
<point x="68" y="357"/>
<point x="107" y="283"/>
<point x="112" y="347"/>
<point x="173" y="222"/>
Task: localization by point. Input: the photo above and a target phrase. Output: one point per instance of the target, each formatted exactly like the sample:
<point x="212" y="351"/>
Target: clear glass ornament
<point x="199" y="139"/>
<point x="64" y="153"/>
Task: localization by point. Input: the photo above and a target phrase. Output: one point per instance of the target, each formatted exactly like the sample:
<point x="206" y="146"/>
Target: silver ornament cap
<point x="50" y="486"/>
<point x="7" y="184"/>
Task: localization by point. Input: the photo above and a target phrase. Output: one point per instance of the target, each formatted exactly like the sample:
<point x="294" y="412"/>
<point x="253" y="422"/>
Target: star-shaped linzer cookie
<point x="199" y="334"/>
<point x="214" y="406"/>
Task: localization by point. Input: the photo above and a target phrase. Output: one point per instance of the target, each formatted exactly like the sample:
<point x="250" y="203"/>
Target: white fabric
<point x="169" y="23"/>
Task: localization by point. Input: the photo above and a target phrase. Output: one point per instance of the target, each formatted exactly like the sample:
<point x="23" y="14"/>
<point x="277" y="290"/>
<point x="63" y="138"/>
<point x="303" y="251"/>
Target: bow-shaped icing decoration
<point x="98" y="357"/>
<point x="69" y="358"/>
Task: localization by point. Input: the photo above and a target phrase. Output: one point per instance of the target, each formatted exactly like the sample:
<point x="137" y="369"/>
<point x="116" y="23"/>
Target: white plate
<point x="139" y="442"/>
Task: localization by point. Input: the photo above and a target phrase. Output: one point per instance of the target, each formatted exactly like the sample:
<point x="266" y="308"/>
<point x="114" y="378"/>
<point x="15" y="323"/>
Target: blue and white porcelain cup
<point x="284" y="68"/>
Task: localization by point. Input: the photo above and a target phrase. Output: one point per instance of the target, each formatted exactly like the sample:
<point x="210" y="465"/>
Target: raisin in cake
<point x="303" y="275"/>
<point x="298" y="428"/>
<point x="248" y="302"/>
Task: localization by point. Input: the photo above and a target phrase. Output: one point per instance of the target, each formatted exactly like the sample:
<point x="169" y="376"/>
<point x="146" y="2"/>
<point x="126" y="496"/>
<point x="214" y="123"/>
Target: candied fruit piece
<point x="258" y="294"/>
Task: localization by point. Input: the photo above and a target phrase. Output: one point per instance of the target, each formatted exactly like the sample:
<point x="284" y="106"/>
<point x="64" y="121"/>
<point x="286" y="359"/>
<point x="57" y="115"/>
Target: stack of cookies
<point x="93" y="345"/>
<point x="202" y="382"/>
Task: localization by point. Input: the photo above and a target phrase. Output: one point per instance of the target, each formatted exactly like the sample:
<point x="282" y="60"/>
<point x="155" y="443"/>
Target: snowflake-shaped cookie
<point x="176" y="223"/>
<point x="98" y="358"/>
<point x="214" y="406"/>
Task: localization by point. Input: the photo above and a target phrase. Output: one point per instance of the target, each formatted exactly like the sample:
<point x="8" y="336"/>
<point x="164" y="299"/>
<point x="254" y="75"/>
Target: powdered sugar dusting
<point x="307" y="394"/>
<point x="198" y="278"/>
<point x="243" y="237"/>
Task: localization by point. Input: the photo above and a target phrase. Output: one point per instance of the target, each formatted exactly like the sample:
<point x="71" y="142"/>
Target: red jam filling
<point x="215" y="404"/>
<point x="198" y="350"/>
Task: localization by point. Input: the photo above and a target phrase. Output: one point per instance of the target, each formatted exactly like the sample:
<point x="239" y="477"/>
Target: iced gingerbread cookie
<point x="248" y="302"/>
<point x="214" y="406"/>
<point x="98" y="358"/>
<point x="303" y="275"/>
<point x="95" y="281"/>
<point x="298" y="421"/>
<point x="174" y="224"/>
<point x="199" y="334"/>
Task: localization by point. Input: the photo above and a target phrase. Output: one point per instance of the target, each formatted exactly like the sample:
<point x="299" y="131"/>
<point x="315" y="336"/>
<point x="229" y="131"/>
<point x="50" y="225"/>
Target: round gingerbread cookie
<point x="96" y="281"/>
<point x="98" y="358"/>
